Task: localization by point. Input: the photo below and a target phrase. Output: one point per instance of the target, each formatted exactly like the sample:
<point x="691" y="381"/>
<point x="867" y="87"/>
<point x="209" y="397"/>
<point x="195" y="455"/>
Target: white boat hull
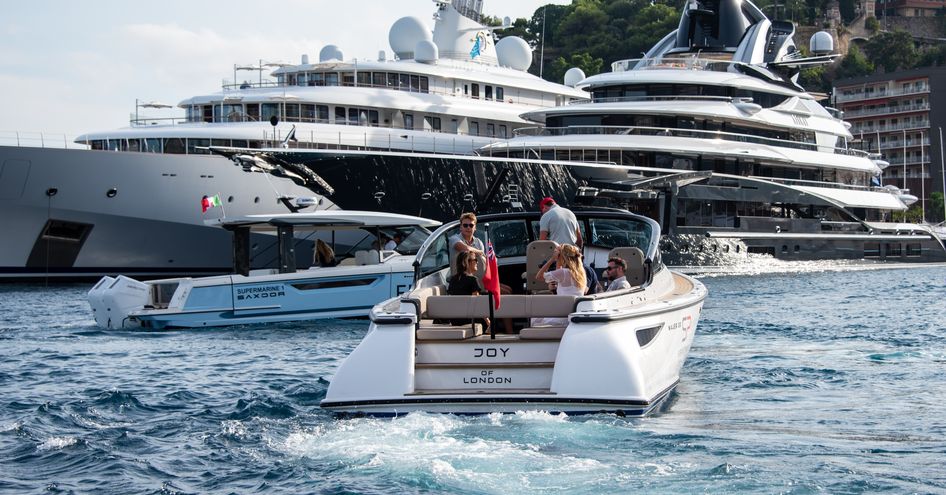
<point x="151" y="225"/>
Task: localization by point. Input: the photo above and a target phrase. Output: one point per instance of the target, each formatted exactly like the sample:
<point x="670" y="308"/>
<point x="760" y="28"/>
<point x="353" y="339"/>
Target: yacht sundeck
<point x="81" y="213"/>
<point x="710" y="134"/>
<point x="365" y="274"/>
<point x="619" y="351"/>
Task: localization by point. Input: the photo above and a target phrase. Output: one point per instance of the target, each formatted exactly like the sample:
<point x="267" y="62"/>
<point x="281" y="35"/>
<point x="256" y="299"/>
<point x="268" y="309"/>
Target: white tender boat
<point x="619" y="351"/>
<point x="363" y="276"/>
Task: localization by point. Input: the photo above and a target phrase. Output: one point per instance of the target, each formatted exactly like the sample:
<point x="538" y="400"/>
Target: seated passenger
<point x="464" y="283"/>
<point x="324" y="255"/>
<point x="616" y="269"/>
<point x="569" y="277"/>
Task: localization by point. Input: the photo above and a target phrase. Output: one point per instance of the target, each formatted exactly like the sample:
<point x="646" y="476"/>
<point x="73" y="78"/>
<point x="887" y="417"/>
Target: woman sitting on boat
<point x="324" y="255"/>
<point x="464" y="282"/>
<point x="569" y="276"/>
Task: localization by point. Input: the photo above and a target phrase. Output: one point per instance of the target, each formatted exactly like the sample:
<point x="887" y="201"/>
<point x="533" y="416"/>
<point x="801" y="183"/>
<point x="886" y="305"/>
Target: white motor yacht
<point x="360" y="274"/>
<point x="131" y="203"/>
<point x="619" y="351"/>
<point x="710" y="134"/>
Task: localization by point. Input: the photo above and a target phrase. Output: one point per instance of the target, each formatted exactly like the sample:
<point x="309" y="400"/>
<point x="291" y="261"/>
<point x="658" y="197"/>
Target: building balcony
<point x="873" y="95"/>
<point x="886" y="110"/>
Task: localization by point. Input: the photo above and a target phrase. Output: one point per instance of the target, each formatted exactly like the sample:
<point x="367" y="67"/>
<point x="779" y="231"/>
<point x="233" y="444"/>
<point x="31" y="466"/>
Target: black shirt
<point x="463" y="285"/>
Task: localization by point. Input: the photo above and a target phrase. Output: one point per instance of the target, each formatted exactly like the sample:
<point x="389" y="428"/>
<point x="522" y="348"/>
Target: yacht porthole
<point x="52" y="191"/>
<point x="256" y="199"/>
<point x="230" y="199"/>
<point x="797" y="248"/>
<point x="784" y="249"/>
<point x="111" y="193"/>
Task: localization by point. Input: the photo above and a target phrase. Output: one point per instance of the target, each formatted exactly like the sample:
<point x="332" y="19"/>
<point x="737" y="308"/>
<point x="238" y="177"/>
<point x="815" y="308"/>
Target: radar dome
<point x="514" y="52"/>
<point x="821" y="43"/>
<point x="405" y="34"/>
<point x="330" y="52"/>
<point x="426" y="51"/>
<point x="573" y="76"/>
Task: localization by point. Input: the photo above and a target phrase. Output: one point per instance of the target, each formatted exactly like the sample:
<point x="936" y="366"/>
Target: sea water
<point x="821" y="381"/>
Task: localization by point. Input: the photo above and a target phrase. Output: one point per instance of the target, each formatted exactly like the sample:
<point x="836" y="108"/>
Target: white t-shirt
<point x="390" y="245"/>
<point x="453" y="240"/>
<point x="561" y="225"/>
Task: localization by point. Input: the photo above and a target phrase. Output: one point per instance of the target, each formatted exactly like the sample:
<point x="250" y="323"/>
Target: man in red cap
<point x="558" y="224"/>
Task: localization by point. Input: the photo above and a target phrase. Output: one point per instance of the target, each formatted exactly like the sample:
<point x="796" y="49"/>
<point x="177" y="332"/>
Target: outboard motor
<point x="113" y="300"/>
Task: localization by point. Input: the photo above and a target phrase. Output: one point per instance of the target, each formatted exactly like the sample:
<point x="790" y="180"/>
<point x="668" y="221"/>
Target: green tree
<point x="872" y="24"/>
<point x="934" y="209"/>
<point x="854" y="64"/>
<point x="912" y="215"/>
<point x="584" y="61"/>
<point x="892" y="51"/>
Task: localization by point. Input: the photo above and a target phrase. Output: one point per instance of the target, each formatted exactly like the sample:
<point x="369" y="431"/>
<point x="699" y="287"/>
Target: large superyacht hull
<point x="441" y="187"/>
<point x="69" y="213"/>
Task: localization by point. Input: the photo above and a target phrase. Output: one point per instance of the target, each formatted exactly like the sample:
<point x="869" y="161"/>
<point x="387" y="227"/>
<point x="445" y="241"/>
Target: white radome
<point x="514" y="52"/>
<point x="574" y="76"/>
<point x="330" y="52"/>
<point x="405" y="34"/>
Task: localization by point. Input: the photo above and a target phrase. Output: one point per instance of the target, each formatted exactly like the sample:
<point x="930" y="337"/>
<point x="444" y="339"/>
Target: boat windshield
<point x="411" y="239"/>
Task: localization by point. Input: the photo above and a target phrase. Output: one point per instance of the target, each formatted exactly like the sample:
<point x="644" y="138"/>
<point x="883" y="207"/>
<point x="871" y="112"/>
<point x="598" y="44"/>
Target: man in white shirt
<point x="392" y="243"/>
<point x="558" y="224"/>
<point x="616" y="269"/>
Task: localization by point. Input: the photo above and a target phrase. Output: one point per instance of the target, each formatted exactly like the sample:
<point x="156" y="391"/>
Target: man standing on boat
<point x="558" y="224"/>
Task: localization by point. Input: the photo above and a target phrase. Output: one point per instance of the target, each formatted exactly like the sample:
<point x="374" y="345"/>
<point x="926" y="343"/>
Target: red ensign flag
<point x="491" y="277"/>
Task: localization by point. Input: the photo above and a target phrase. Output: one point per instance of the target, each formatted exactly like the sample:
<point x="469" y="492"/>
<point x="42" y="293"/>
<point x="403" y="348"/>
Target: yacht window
<point x="269" y="110"/>
<point x="193" y="144"/>
<point x="174" y="146"/>
<point x="252" y="112"/>
<point x="404" y="82"/>
<point x="491" y="129"/>
<point x="502" y="131"/>
<point x="408" y="121"/>
<point x="474" y="128"/>
<point x="378" y="79"/>
<point x="488" y="92"/>
<point x="392" y="80"/>
<point x="233" y="113"/>
<point x="220" y="142"/>
<point x="432" y="123"/>
<point x="331" y="79"/>
<point x="340" y="115"/>
<point x="218" y="113"/>
<point x="317" y="79"/>
<point x="499" y="94"/>
<point x="373" y="118"/>
<point x="116" y="144"/>
<point x="415" y="83"/>
<point x="208" y="113"/>
<point x="133" y="145"/>
<point x="424" y="84"/>
<point x="292" y="112"/>
<point x="322" y="113"/>
<point x="239" y="143"/>
<point x="291" y="81"/>
<point x="308" y="112"/>
<point x="353" y="116"/>
<point x="454" y="126"/>
<point x="348" y="79"/>
<point x="303" y="79"/>
<point x="509" y="237"/>
<point x="476" y="91"/>
<point x="152" y="145"/>
<point x="466" y="89"/>
<point x="364" y="79"/>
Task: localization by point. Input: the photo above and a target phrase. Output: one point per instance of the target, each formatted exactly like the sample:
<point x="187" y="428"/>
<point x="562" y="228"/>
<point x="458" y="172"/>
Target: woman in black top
<point x="464" y="283"/>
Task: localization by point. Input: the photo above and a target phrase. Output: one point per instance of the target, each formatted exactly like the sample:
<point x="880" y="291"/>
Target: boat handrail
<point x="625" y="99"/>
<point x="668" y="131"/>
<point x="818" y="183"/>
<point x="680" y="62"/>
<point x="21" y="139"/>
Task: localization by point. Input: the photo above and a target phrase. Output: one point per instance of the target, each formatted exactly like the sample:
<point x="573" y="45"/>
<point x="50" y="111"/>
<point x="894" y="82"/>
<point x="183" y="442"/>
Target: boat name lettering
<point x="486" y="376"/>
<point x="489" y="351"/>
<point x="265" y="288"/>
<point x="674" y="326"/>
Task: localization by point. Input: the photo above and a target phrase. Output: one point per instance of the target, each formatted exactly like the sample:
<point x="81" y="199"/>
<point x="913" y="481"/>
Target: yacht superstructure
<point x="130" y="203"/>
<point x="709" y="133"/>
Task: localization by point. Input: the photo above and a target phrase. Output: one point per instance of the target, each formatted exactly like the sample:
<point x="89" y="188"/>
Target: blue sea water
<point x="816" y="382"/>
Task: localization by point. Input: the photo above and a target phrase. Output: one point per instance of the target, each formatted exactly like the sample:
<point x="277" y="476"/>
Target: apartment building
<point x="900" y="115"/>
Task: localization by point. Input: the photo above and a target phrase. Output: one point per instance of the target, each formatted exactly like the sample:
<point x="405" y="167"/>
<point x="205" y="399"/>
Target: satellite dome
<point x="426" y="51"/>
<point x="514" y="52"/>
<point x="821" y="43"/>
<point x="330" y="52"/>
<point x="405" y="34"/>
<point x="573" y="76"/>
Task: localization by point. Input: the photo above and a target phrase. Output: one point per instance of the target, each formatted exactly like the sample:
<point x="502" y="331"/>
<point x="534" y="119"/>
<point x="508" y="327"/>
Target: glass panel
<point x="509" y="237"/>
<point x="373" y="118"/>
<point x="322" y="113"/>
<point x="474" y="128"/>
<point x="611" y="233"/>
<point x="193" y="143"/>
<point x="233" y="113"/>
<point x="220" y="142"/>
<point x="489" y="92"/>
<point x="502" y="131"/>
<point x="240" y="143"/>
<point x="252" y="112"/>
<point x="404" y="81"/>
<point x="354" y="116"/>
<point x="152" y="145"/>
<point x="408" y="121"/>
<point x="499" y="94"/>
<point x="133" y="145"/>
<point x="292" y="112"/>
<point x="348" y="79"/>
<point x="378" y="79"/>
<point x="415" y="83"/>
<point x="174" y="146"/>
<point x="475" y="90"/>
<point x="331" y="79"/>
<point x="437" y="256"/>
<point x="424" y="84"/>
<point x="490" y="129"/>
<point x="308" y="112"/>
<point x="364" y="78"/>
<point x="392" y="80"/>
<point x="269" y="110"/>
<point x="341" y="116"/>
<point x="317" y="79"/>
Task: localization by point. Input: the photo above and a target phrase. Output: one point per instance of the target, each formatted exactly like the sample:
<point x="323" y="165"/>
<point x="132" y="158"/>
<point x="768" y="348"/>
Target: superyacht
<point x="130" y="203"/>
<point x="710" y="134"/>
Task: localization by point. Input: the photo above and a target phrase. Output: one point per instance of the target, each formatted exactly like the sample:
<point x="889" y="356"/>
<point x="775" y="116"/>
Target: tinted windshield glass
<point x="509" y="237"/>
<point x="412" y="238"/>
<point x="612" y="233"/>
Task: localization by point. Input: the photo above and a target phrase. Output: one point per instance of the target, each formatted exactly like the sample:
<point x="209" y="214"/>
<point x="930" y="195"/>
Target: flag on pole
<point x="491" y="277"/>
<point x="208" y="202"/>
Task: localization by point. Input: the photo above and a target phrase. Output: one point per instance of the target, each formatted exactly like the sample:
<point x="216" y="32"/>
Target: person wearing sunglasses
<point x="465" y="241"/>
<point x="615" y="273"/>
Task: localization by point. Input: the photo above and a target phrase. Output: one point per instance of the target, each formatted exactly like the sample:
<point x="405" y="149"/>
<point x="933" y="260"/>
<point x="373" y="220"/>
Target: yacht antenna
<point x="542" y="50"/>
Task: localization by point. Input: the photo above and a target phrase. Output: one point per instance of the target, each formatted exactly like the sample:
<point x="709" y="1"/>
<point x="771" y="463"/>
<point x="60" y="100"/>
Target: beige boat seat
<point x="636" y="272"/>
<point x="537" y="253"/>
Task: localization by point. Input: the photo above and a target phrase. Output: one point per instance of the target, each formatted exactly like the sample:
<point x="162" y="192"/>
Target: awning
<point x="853" y="198"/>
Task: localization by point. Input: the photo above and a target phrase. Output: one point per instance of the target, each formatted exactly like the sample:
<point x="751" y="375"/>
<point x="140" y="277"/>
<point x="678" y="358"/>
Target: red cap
<point x="546" y="201"/>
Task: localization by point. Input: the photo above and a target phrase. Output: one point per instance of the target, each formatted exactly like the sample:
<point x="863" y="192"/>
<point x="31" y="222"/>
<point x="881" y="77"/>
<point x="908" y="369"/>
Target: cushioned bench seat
<point x="428" y="330"/>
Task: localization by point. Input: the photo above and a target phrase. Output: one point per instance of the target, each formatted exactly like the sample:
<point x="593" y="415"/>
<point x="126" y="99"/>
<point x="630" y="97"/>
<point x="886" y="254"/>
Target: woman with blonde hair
<point x="569" y="275"/>
<point x="324" y="255"/>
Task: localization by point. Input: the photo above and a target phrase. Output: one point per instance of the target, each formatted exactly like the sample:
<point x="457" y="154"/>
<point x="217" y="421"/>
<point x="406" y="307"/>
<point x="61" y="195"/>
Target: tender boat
<point x="619" y="351"/>
<point x="363" y="275"/>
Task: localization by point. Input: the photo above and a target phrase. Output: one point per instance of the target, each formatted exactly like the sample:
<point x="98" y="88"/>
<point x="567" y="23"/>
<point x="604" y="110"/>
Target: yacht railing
<point x="38" y="140"/>
<point x="626" y="99"/>
<point x="886" y="110"/>
<point x="675" y="132"/>
<point x="863" y="95"/>
<point x="818" y="183"/>
<point x="856" y="130"/>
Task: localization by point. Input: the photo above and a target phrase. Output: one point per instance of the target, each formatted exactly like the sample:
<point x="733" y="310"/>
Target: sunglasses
<point x="469" y="225"/>
<point x="611" y="268"/>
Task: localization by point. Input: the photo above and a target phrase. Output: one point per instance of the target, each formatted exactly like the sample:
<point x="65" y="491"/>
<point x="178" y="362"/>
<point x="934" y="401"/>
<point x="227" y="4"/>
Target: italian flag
<point x="209" y="202"/>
